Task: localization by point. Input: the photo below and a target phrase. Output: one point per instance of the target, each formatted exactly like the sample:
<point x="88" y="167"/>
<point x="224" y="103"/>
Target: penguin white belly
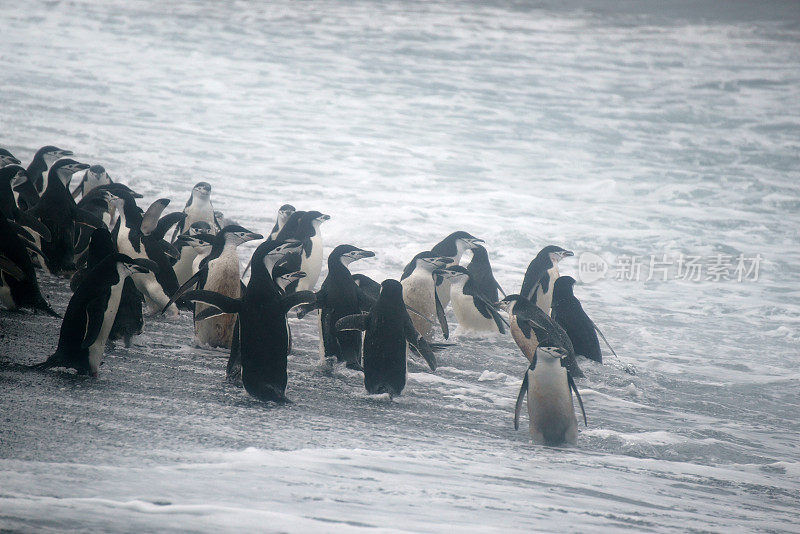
<point x="311" y="265"/>
<point x="418" y="293"/>
<point x="223" y="278"/>
<point x="97" y="348"/>
<point x="183" y="267"/>
<point x="544" y="296"/>
<point x="196" y="213"/>
<point x="469" y="318"/>
<point x="552" y="414"/>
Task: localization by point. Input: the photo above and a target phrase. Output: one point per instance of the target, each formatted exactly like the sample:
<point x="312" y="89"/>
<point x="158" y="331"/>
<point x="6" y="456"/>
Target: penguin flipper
<point x="441" y="316"/>
<point x="34" y="224"/>
<point x="166" y="222"/>
<point x="497" y="284"/>
<point x="151" y="216"/>
<point x="493" y="313"/>
<point x="224" y="303"/>
<point x="298" y="298"/>
<point x="208" y="313"/>
<point x="418" y="343"/>
<point x="95" y="313"/>
<point x="520" y="399"/>
<point x="604" y="339"/>
<point x="233" y="372"/>
<point x="33" y="248"/>
<point x="87" y="219"/>
<point x="357" y="321"/>
<point x="365" y="300"/>
<point x="191" y="282"/>
<point x="11" y="269"/>
<point x="574" y="388"/>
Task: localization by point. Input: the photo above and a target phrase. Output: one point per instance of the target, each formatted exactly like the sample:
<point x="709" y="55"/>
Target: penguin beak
<point x="63" y="153"/>
<point x="252" y="236"/>
<point x="359" y="254"/>
<point x="324" y="217"/>
<point x="75" y="167"/>
<point x="567" y="253"/>
<point x="474" y="242"/>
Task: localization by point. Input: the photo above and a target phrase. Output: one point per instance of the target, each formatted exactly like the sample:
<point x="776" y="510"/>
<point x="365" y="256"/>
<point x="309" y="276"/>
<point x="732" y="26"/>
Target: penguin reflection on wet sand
<point x="542" y="272"/>
<point x="388" y="334"/>
<point x="549" y="387"/>
<point x="91" y="313"/>
<point x="568" y="312"/>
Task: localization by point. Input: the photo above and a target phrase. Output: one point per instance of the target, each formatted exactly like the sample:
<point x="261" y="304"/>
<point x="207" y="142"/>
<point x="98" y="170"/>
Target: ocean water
<point x="636" y="132"/>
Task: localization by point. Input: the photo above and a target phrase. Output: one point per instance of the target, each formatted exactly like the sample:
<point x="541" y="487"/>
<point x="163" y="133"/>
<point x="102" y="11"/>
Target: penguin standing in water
<point x="338" y="297"/>
<point x="453" y="246"/>
<point x="263" y="344"/>
<point x="38" y="170"/>
<point x="480" y="273"/>
<point x="531" y="327"/>
<point x="218" y="273"/>
<point x="542" y="272"/>
<point x="19" y="287"/>
<point x="91" y="313"/>
<point x="549" y="387"/>
<point x="474" y="312"/>
<point x="388" y="334"/>
<point x="95" y="176"/>
<point x="419" y="292"/>
<point x="57" y="210"/>
<point x="568" y="312"/>
<point x="198" y="208"/>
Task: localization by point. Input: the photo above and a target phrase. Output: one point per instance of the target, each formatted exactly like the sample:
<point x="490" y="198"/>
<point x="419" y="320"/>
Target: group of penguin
<point x="121" y="261"/>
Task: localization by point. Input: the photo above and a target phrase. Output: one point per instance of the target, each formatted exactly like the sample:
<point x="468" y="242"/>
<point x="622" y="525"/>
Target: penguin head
<point x="429" y="261"/>
<point x="465" y="241"/>
<point x="202" y="190"/>
<point x="98" y="174"/>
<point x="284" y="212"/>
<point x="508" y="303"/>
<point x="51" y="154"/>
<point x="65" y="168"/>
<point x="285" y="279"/>
<point x="112" y="200"/>
<point x="455" y="274"/>
<point x="317" y="218"/>
<point x="201" y="243"/>
<point x="556" y="353"/>
<point x="6" y="158"/>
<point x="391" y="289"/>
<point x="563" y="287"/>
<point x="17" y="173"/>
<point x="347" y="254"/>
<point x="236" y="234"/>
<point x="129" y="266"/>
<point x="200" y="227"/>
<point x="555" y="253"/>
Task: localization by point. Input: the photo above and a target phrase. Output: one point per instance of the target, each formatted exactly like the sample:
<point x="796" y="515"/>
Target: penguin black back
<point x="481" y="276"/>
<point x="568" y="312"/>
